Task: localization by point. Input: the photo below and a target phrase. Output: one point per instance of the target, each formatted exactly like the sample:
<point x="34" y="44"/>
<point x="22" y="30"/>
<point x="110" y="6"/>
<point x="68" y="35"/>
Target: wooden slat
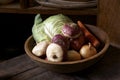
<point x="46" y="10"/>
<point x="29" y="74"/>
<point x="22" y="68"/>
<point x="15" y="66"/>
<point x="24" y="4"/>
<point x="109" y="19"/>
<point x="19" y="8"/>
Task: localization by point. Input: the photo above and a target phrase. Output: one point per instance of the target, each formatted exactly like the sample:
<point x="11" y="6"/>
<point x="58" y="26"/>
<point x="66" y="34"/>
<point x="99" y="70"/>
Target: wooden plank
<point x="29" y="74"/>
<point x="32" y="3"/>
<point x="10" y="6"/>
<point x="15" y="66"/>
<point x="24" y="3"/>
<point x="109" y="19"/>
<point x="46" y="10"/>
<point x="23" y="8"/>
<point x="22" y="68"/>
<point x="106" y="69"/>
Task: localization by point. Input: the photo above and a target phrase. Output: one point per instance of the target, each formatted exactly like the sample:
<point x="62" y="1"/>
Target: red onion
<point x="71" y="30"/>
<point x="61" y="40"/>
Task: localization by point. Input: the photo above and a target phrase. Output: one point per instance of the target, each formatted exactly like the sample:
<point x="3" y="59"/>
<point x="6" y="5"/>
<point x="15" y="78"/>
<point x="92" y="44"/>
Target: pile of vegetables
<point x="60" y="39"/>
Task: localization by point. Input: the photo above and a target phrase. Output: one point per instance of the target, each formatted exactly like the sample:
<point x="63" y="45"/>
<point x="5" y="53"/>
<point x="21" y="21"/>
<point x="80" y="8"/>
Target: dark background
<point x="16" y="28"/>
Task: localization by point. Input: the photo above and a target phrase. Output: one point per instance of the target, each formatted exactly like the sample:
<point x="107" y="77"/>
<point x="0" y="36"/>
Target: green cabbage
<point x="45" y="30"/>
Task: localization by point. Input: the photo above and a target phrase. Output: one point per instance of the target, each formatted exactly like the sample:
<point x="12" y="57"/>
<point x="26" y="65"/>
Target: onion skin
<point x="61" y="40"/>
<point x="71" y="30"/>
<point x="54" y="53"/>
<point x="87" y="50"/>
<point x="77" y="43"/>
<point x="73" y="55"/>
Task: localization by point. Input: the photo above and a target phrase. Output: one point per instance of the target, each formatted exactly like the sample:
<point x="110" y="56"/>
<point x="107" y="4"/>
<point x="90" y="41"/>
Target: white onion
<point x="54" y="53"/>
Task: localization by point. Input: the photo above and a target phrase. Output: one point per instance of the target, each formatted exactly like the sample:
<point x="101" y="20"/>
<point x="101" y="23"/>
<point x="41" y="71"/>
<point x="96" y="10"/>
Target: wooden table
<point x="23" y="68"/>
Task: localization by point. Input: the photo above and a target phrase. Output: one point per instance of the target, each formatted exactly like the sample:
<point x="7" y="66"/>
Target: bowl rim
<point x="32" y="56"/>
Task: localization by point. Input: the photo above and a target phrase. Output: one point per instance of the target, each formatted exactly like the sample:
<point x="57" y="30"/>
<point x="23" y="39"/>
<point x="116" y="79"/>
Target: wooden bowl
<point x="73" y="66"/>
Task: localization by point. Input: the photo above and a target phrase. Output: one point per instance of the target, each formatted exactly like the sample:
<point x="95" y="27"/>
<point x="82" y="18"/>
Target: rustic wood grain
<point x="15" y="66"/>
<point x="109" y="19"/>
<point x="32" y="7"/>
<point x="29" y="74"/>
<point x="24" y="4"/>
<point x="23" y="68"/>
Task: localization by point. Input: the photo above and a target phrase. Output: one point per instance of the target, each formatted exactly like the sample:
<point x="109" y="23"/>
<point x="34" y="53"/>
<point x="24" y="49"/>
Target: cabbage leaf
<point x="45" y="30"/>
